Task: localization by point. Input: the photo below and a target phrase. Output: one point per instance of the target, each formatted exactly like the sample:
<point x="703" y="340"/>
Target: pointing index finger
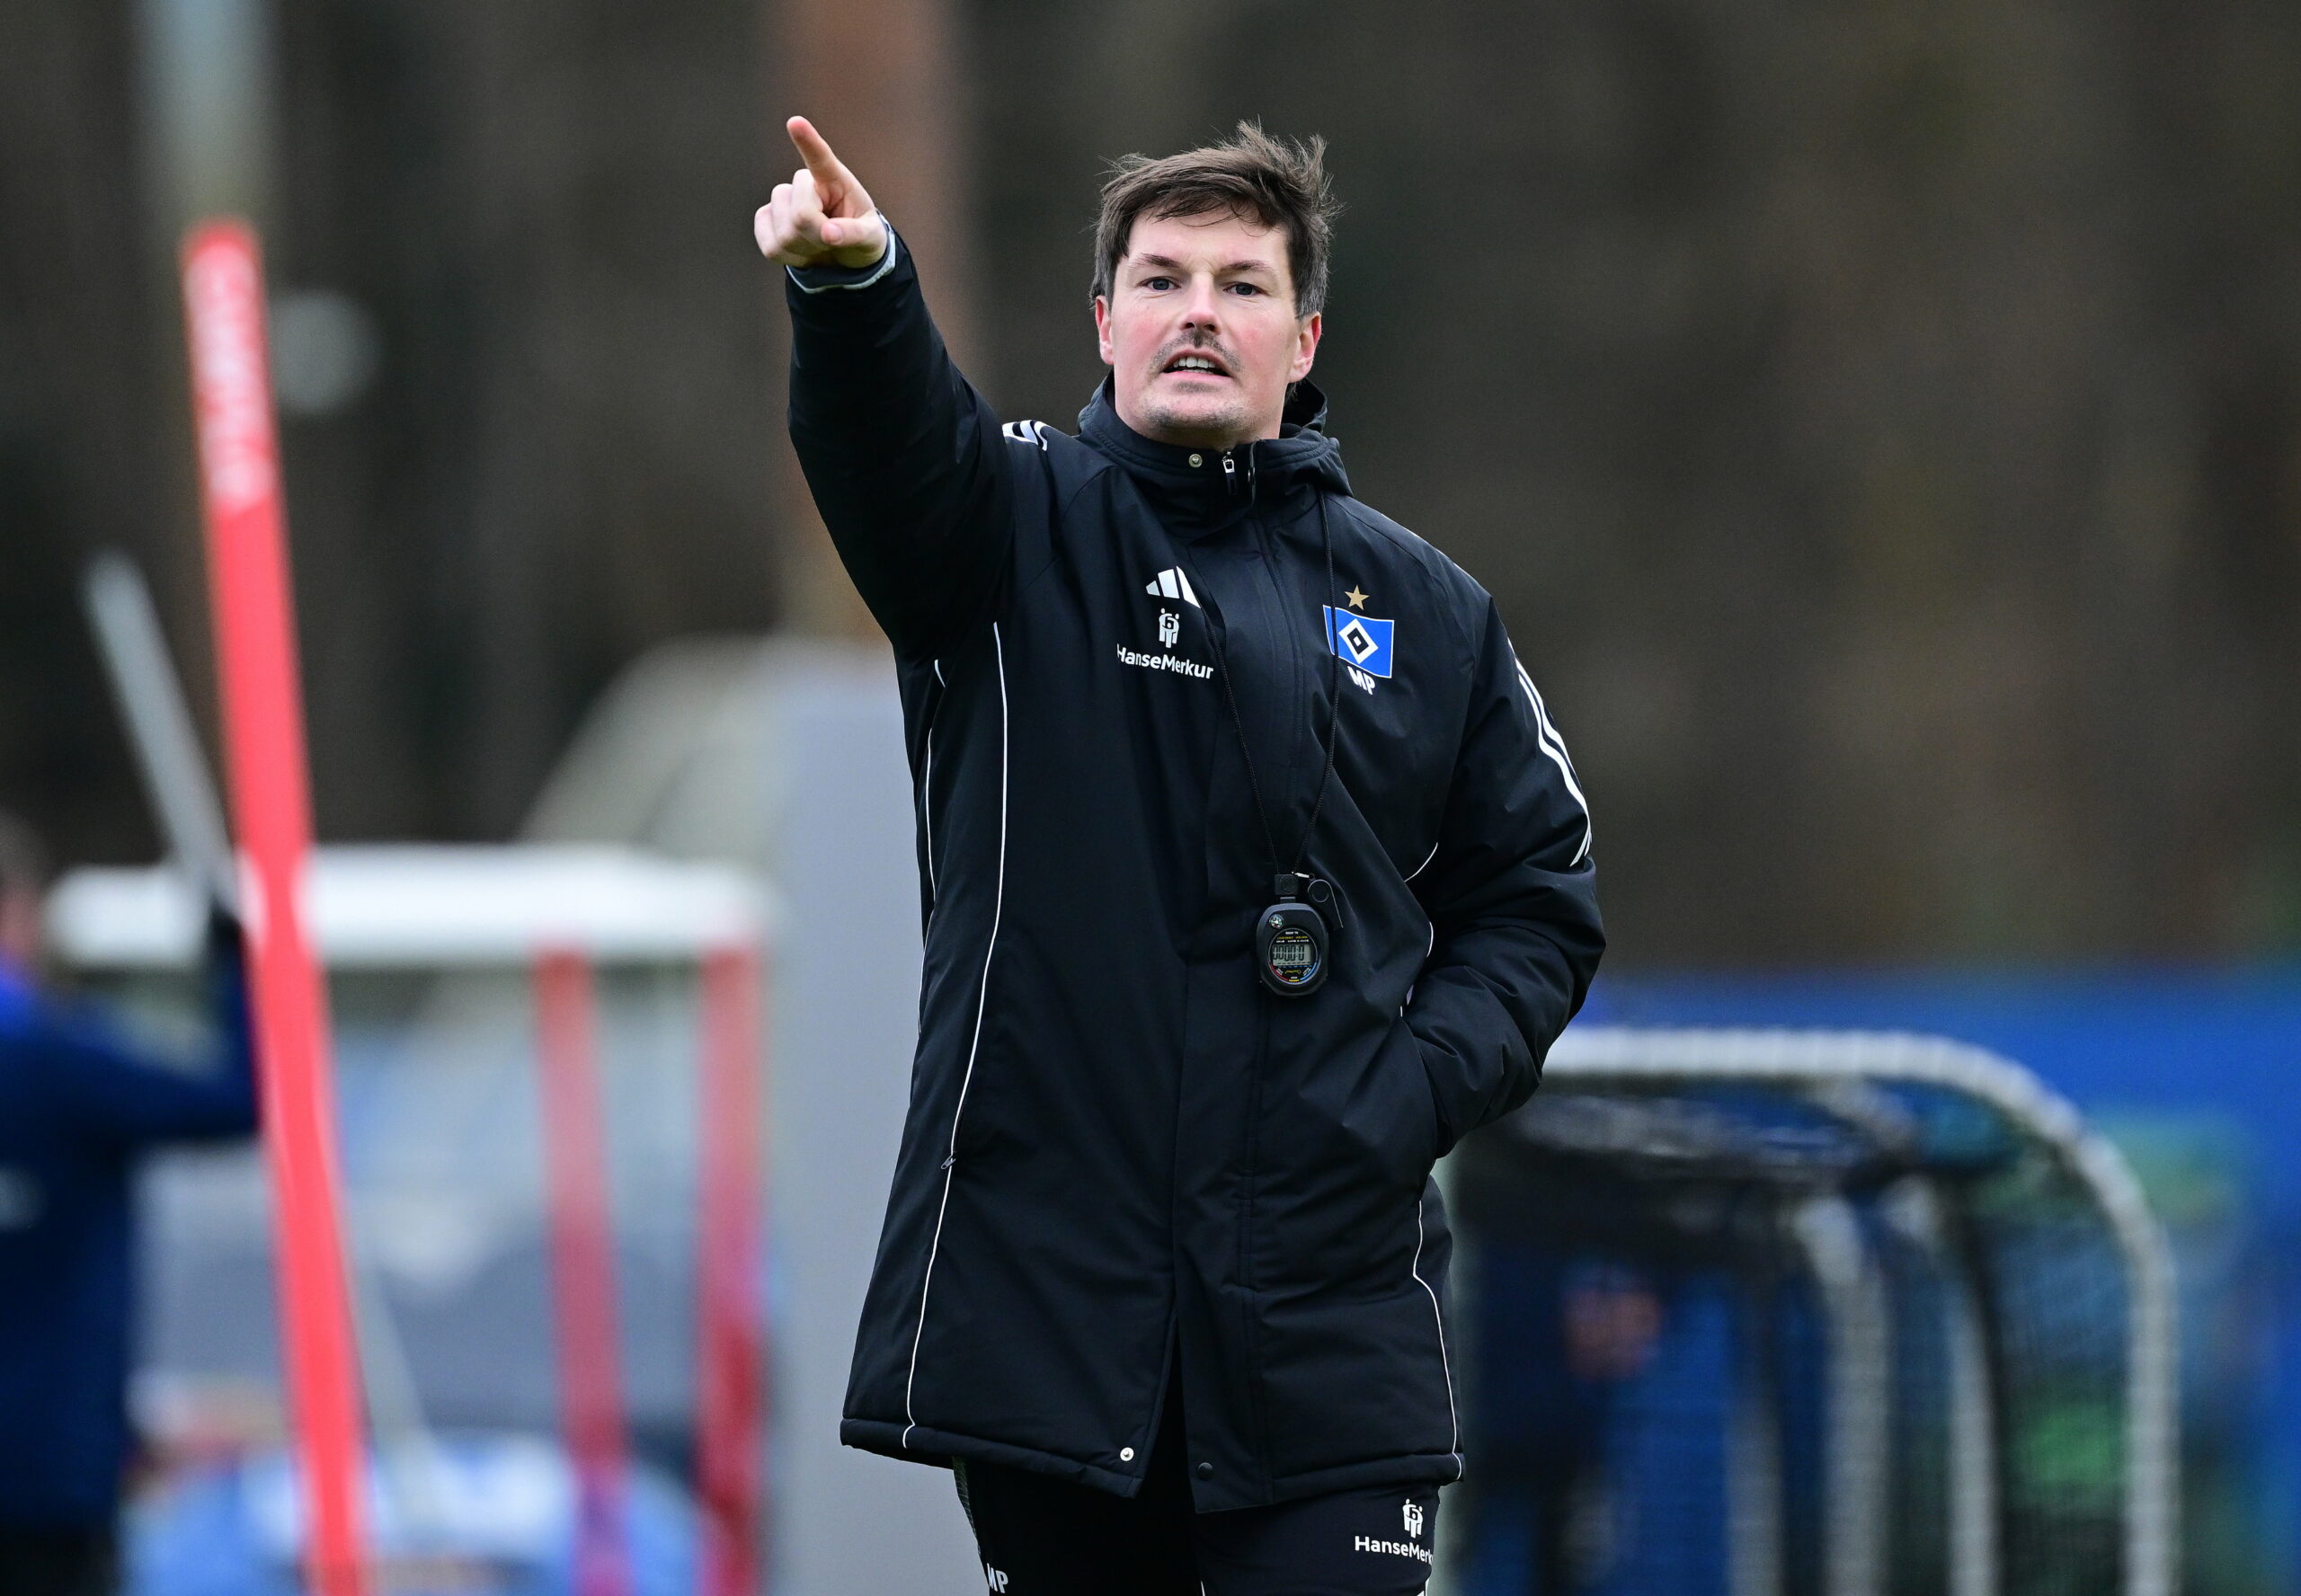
<point x="814" y="152"/>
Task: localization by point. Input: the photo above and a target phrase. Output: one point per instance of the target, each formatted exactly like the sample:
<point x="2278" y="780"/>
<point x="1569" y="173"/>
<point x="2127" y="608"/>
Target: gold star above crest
<point x="1357" y="599"/>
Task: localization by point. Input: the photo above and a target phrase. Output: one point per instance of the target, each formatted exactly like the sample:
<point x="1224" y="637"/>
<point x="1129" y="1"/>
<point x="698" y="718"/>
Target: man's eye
<point x="1158" y="282"/>
<point x="1245" y="288"/>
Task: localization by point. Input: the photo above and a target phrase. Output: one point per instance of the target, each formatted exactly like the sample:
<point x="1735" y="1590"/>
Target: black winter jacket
<point x="1123" y="1157"/>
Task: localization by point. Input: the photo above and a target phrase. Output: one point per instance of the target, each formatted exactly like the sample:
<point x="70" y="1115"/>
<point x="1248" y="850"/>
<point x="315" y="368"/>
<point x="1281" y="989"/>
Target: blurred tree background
<point x="1881" y="424"/>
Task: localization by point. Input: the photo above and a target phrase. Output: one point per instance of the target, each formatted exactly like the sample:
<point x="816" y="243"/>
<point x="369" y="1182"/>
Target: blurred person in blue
<point x="80" y="1104"/>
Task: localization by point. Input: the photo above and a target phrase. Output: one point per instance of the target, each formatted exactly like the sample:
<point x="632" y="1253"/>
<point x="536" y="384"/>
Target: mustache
<point x="1198" y="344"/>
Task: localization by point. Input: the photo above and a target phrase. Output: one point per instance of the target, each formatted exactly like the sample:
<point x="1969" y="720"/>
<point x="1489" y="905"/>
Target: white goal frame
<point x="1602" y="1056"/>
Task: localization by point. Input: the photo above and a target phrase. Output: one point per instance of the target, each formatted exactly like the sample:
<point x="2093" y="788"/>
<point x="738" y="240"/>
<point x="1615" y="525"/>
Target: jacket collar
<point x="1195" y="482"/>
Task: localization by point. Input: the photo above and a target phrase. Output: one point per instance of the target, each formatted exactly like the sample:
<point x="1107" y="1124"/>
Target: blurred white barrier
<point x="710" y="766"/>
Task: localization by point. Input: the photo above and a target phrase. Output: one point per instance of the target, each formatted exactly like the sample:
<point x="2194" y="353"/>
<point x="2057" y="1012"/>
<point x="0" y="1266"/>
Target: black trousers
<point x="58" y="1562"/>
<point x="1039" y="1536"/>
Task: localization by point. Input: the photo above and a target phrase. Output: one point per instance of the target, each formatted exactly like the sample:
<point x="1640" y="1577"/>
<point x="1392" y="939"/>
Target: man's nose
<point x="1203" y="307"/>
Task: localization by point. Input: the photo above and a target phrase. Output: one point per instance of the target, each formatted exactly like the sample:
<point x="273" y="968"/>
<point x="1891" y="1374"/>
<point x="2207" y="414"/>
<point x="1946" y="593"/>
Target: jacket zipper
<point x="1249" y="1275"/>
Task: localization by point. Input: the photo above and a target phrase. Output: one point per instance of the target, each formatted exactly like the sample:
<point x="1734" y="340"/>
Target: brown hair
<point x="1276" y="183"/>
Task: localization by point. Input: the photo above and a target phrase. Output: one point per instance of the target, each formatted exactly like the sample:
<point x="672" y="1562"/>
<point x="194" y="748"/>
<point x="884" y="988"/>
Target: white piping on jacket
<point x="927" y="795"/>
<point x="1554" y="746"/>
<point x="981" y="1002"/>
<point x="1444" y="1362"/>
<point x="1433" y="854"/>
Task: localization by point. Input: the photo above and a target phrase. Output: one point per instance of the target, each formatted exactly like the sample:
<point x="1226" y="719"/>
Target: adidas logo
<point x="1171" y="583"/>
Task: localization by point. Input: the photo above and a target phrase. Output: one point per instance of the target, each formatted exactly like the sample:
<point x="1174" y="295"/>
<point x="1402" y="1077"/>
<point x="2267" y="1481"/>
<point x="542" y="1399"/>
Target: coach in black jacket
<point x="1138" y="1184"/>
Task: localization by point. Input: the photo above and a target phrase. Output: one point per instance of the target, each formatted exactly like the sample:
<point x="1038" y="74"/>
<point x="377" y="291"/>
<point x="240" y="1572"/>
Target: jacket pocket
<point x="1442" y="1136"/>
<point x="1421" y="1132"/>
<point x="1361" y="1117"/>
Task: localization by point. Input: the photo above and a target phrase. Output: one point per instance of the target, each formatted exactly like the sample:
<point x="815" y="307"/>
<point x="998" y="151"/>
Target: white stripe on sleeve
<point x="1554" y="747"/>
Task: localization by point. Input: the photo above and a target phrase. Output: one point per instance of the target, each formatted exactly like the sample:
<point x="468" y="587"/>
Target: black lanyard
<point x="1291" y="939"/>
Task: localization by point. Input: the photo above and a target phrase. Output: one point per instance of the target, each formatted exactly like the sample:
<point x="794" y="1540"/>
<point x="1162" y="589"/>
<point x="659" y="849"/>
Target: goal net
<point x="1806" y="1314"/>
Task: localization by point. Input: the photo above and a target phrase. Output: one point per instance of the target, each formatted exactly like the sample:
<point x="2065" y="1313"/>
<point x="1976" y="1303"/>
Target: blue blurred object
<point x="2168" y="1038"/>
<point x="83" y="1104"/>
<point x="471" y="1515"/>
<point x="2191" y="1072"/>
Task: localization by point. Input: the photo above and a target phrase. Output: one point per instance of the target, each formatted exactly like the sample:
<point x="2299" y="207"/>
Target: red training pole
<point x="582" y="1270"/>
<point x="263" y="728"/>
<point x="730" y="1405"/>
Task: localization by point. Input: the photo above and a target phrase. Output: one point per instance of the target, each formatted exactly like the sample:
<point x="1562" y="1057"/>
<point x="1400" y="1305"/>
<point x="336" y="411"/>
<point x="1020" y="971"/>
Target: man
<point x="1254" y="876"/>
<point x="78" y="1107"/>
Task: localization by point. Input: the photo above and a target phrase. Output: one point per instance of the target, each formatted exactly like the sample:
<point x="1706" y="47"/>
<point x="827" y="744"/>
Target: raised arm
<point x="903" y="456"/>
<point x="1512" y="901"/>
<point x="110" y="1091"/>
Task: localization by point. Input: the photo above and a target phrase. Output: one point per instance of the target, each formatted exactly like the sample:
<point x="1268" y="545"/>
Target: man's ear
<point x="1103" y="329"/>
<point x="1306" y="347"/>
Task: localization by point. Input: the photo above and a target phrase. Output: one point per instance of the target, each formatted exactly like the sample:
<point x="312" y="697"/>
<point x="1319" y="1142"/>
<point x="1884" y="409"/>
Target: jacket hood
<point x="1302" y="455"/>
